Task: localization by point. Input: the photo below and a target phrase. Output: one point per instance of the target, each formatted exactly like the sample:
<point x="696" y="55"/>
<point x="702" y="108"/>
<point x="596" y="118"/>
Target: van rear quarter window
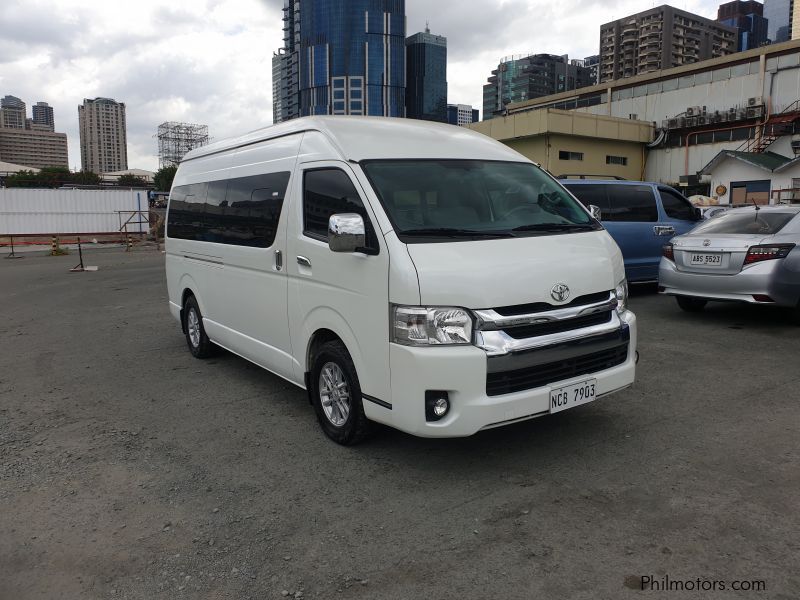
<point x="243" y="211"/>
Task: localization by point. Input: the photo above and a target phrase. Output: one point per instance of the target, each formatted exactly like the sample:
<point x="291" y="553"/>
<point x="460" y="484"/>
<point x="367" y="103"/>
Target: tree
<point x="130" y="180"/>
<point x="22" y="179"/>
<point x="163" y="178"/>
<point x="53" y="177"/>
<point x="86" y="178"/>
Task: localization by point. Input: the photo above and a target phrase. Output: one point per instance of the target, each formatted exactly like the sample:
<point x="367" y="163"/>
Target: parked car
<point x="749" y="254"/>
<point x="640" y="216"/>
<point x="415" y="274"/>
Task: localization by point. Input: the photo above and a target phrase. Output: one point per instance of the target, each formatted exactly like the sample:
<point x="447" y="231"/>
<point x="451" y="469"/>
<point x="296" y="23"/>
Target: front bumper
<point x="462" y="372"/>
<point x="760" y="278"/>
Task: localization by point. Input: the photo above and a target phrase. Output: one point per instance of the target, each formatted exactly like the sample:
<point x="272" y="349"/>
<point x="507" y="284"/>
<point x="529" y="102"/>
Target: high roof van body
<point x="403" y="272"/>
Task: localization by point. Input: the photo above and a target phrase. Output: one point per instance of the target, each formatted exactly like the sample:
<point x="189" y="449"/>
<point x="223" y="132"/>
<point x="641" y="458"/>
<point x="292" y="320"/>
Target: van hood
<point x="491" y="273"/>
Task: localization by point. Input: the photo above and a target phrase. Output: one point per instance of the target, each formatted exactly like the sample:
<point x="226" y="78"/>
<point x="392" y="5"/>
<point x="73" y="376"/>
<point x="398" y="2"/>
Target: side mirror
<point x="346" y="232"/>
<point x="698" y="214"/>
<point x="596" y="212"/>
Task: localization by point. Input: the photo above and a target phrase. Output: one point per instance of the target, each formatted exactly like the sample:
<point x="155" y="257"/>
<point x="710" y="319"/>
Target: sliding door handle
<point x="278" y="260"/>
<point x="303" y="261"/>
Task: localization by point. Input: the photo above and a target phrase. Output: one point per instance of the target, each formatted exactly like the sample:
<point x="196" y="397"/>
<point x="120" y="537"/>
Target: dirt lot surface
<point x="129" y="469"/>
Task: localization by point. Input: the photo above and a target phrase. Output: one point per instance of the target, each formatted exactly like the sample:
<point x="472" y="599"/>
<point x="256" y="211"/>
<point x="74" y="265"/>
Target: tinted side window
<point x="186" y="208"/>
<point x="676" y="206"/>
<point x="329" y="192"/>
<point x="631" y="203"/>
<point x="253" y="209"/>
<point x="592" y="194"/>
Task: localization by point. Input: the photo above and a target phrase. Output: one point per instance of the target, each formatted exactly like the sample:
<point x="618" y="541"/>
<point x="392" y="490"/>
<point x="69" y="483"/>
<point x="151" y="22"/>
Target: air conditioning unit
<point x="681" y="122"/>
<point x="692" y="111"/>
<point x="755" y="101"/>
<point x="691" y="121"/>
<point x="758" y="111"/>
<point x="673" y="123"/>
<point x="665" y="124"/>
<point x="741" y="114"/>
<point x="796" y="146"/>
<point x="702" y="120"/>
<point x="750" y="113"/>
<point x="723" y="117"/>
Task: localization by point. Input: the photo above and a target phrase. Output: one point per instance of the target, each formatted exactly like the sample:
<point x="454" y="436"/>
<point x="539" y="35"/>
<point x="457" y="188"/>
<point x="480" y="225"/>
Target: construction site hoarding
<point x="66" y="211"/>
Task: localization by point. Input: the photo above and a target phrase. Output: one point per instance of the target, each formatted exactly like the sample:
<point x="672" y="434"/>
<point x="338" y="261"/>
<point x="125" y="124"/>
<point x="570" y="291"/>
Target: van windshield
<point x="432" y="200"/>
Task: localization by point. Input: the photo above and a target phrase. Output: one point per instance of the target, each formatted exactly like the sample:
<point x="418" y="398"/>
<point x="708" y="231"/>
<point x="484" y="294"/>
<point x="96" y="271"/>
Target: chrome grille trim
<point x="497" y="342"/>
<point x="490" y="320"/>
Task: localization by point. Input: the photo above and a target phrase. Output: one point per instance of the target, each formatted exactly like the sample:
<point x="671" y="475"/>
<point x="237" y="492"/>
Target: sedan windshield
<point x="469" y="199"/>
<point x="761" y="222"/>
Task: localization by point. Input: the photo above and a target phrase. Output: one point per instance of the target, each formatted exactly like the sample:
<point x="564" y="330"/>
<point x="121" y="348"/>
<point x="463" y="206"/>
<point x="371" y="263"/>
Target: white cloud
<point x="210" y="61"/>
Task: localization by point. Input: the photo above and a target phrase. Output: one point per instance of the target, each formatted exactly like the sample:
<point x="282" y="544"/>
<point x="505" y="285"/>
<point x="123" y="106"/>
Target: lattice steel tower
<point x="176" y="139"/>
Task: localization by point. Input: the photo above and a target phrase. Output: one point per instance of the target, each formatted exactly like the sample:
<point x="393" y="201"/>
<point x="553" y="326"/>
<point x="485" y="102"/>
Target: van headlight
<point x="621" y="292"/>
<point x="431" y="325"/>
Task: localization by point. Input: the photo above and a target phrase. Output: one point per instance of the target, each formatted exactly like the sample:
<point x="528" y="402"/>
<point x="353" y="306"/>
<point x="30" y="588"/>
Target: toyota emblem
<point x="706" y="242"/>
<point x="560" y="292"/>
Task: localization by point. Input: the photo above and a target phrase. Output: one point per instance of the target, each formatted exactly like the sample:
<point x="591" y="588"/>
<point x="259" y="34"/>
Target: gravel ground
<point x="128" y="469"/>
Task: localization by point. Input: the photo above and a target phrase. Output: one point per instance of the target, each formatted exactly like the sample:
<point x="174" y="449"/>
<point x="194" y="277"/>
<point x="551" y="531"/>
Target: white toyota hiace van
<point x="405" y="272"/>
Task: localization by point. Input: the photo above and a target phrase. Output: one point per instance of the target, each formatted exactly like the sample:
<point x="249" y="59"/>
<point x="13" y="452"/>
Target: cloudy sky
<point x="209" y="61"/>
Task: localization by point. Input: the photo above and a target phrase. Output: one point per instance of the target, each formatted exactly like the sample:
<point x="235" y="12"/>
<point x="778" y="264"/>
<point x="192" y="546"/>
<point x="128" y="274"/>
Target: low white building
<point x="754" y="177"/>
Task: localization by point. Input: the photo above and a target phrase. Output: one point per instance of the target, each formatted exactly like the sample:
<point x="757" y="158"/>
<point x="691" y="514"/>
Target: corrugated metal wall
<point x="31" y="211"/>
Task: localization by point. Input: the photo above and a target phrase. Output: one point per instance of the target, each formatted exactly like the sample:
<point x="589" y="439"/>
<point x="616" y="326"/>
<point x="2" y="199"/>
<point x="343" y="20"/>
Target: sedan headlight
<point x="621" y="292"/>
<point x="431" y="325"/>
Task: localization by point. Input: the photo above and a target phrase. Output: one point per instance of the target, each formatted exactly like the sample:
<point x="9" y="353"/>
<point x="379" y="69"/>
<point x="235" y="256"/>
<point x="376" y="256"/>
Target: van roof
<point x="359" y="138"/>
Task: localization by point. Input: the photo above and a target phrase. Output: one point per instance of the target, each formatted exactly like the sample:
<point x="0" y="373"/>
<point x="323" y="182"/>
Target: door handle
<point x="664" y="230"/>
<point x="303" y="261"/>
<point x="278" y="260"/>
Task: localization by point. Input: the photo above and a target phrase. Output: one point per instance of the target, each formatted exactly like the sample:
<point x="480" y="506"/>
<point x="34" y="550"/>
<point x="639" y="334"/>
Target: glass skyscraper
<point x="426" y="77"/>
<point x="349" y="57"/>
<point x="779" y="15"/>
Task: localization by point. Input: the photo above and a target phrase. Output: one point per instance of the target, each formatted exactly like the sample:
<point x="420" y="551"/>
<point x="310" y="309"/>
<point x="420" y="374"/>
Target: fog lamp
<point x="437" y="405"/>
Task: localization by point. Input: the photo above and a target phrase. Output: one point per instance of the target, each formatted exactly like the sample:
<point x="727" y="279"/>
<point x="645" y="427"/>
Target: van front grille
<point x="527" y="331"/>
<point x="506" y="382"/>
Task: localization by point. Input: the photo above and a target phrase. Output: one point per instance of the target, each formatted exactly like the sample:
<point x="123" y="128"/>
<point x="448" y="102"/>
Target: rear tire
<point x="691" y="304"/>
<point x="336" y="395"/>
<point x="197" y="340"/>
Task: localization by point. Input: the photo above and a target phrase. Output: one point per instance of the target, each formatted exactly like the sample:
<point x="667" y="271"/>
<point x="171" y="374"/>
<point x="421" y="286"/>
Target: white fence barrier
<point x="41" y="211"/>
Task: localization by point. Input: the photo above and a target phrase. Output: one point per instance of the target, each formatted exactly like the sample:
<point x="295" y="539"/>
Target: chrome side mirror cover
<point x="596" y="212"/>
<point x="346" y="232"/>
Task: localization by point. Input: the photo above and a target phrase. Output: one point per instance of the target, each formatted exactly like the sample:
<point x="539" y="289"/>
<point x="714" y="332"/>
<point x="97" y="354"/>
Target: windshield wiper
<point x="454" y="232"/>
<point x="555" y="227"/>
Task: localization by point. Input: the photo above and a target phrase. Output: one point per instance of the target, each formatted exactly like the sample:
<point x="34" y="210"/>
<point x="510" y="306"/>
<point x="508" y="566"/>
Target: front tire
<point x="336" y="395"/>
<point x="691" y="304"/>
<point x="197" y="340"/>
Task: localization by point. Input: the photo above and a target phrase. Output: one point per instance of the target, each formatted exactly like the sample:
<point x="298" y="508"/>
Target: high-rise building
<point x="43" y="115"/>
<point x="795" y="28"/>
<point x="521" y="78"/>
<point x="285" y="65"/>
<point x="660" y="38"/>
<point x="426" y="76"/>
<point x="593" y="64"/>
<point x="461" y="114"/>
<point x="32" y="148"/>
<point x="350" y="58"/>
<point x="104" y="143"/>
<point x="12" y="112"/>
<point x="780" y="15"/>
<point x="748" y="17"/>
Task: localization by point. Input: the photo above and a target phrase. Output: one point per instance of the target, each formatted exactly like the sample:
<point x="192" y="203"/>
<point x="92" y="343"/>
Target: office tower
<point x="104" y="145"/>
<point x="593" y="64"/>
<point x="461" y="114"/>
<point x="520" y="78"/>
<point x="779" y="14"/>
<point x="660" y="38"/>
<point x="748" y="17"/>
<point x="43" y="115"/>
<point x="350" y="59"/>
<point x="12" y="112"/>
<point x="426" y="76"/>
